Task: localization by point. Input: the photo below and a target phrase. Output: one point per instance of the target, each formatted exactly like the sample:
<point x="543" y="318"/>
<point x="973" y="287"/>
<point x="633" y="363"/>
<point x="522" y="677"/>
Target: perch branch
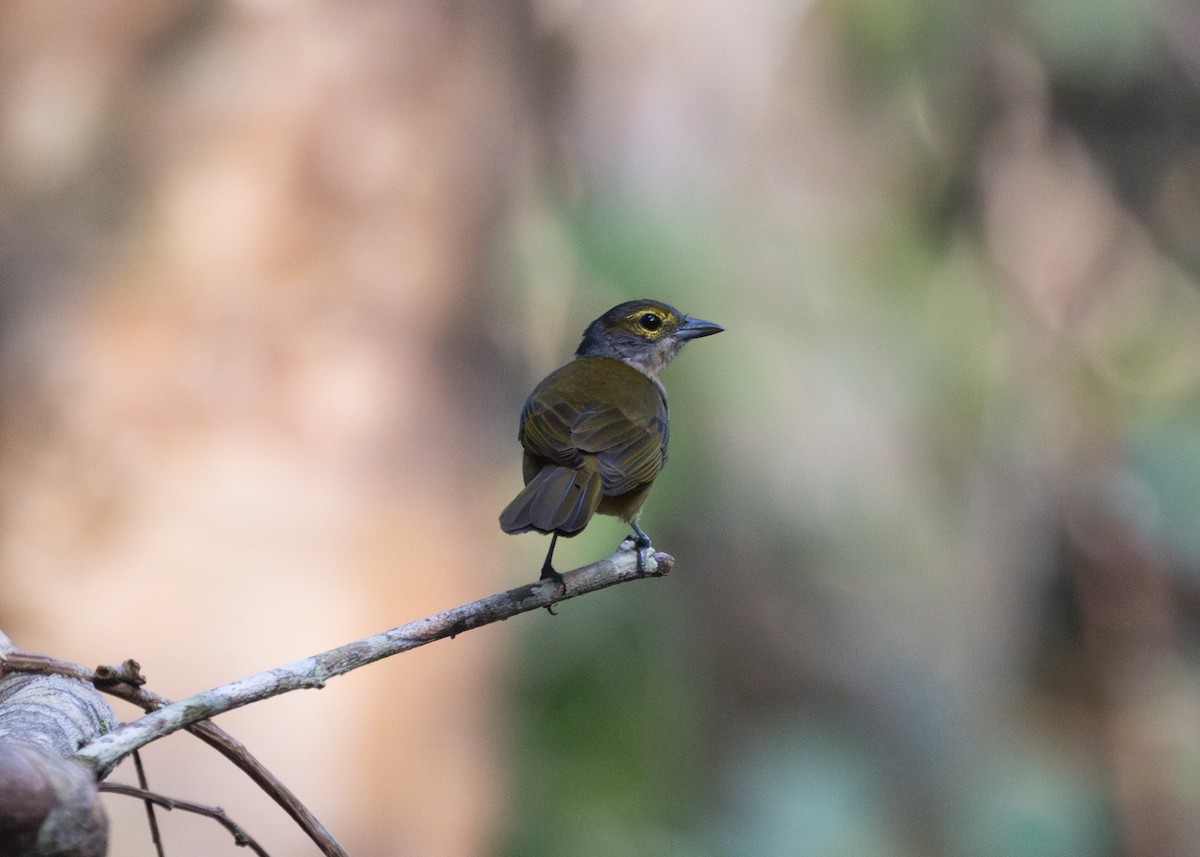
<point x="315" y="671"/>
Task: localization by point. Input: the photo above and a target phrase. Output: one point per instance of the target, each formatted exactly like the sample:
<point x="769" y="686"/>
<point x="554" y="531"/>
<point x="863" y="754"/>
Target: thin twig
<point x="151" y="818"/>
<point x="315" y="671"/>
<point x="240" y="836"/>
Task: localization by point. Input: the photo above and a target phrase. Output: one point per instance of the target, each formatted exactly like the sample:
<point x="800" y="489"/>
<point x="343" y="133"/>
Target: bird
<point x="595" y="431"/>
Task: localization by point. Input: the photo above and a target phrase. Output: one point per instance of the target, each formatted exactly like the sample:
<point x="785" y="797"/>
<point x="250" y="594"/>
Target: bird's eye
<point x="650" y="322"/>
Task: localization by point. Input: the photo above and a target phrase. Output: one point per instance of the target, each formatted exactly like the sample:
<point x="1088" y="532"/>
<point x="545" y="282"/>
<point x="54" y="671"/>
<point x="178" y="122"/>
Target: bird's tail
<point x="557" y="499"/>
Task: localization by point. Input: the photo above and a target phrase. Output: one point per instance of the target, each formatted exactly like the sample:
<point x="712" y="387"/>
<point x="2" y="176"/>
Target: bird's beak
<point x="694" y="328"/>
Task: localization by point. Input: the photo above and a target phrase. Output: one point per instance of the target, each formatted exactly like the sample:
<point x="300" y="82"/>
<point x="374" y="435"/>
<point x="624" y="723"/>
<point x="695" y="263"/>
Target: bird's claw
<point x="640" y="542"/>
<point x="549" y="573"/>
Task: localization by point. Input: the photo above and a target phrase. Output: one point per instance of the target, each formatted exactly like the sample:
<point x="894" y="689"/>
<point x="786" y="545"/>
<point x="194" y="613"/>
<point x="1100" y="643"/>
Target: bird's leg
<point x="548" y="572"/>
<point x="641" y="543"/>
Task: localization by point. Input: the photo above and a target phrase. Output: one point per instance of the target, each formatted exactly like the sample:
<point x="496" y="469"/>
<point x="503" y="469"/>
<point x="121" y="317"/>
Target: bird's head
<point x="645" y="334"/>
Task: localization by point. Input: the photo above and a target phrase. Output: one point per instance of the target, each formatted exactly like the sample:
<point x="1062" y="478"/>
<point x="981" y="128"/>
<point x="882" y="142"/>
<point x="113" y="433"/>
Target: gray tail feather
<point x="557" y="499"/>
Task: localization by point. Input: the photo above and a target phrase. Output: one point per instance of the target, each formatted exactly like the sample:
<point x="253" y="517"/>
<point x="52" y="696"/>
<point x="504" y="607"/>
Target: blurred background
<point x="275" y="279"/>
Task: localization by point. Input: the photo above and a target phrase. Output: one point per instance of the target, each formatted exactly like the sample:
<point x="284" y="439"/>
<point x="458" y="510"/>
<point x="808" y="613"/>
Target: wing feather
<point x="590" y="430"/>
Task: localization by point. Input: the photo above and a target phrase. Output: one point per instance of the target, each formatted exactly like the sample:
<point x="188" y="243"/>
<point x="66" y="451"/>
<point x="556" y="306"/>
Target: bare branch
<point x="51" y="712"/>
<point x="315" y="671"/>
<point x="240" y="836"/>
<point x="125" y="682"/>
<point x="48" y="802"/>
<point x="25" y="771"/>
<point x="151" y="818"/>
<point x="236" y="752"/>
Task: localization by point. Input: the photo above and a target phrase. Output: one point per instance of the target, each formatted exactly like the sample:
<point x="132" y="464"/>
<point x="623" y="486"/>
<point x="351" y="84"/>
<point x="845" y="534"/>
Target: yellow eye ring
<point x="650" y="322"/>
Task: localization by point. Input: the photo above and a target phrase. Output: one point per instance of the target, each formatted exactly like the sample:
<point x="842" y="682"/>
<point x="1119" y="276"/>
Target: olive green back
<point x="602" y="407"/>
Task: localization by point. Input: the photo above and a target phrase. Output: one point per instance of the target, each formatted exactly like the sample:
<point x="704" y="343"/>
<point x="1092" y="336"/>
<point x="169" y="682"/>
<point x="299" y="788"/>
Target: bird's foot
<point x="639" y="541"/>
<point x="643" y="553"/>
<point x="548" y="573"/>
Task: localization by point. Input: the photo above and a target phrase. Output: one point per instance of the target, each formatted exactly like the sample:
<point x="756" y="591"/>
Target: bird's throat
<point x="651" y="362"/>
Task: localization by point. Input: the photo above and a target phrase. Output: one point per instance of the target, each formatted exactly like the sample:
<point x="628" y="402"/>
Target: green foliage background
<point x="918" y="484"/>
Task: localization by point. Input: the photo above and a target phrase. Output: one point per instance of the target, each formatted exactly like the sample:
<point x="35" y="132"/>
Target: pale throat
<point x="651" y="363"/>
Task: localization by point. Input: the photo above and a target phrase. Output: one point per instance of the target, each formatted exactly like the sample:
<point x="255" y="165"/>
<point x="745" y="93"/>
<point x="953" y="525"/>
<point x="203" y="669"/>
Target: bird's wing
<point x="546" y="429"/>
<point x="631" y="449"/>
<point x="630" y="444"/>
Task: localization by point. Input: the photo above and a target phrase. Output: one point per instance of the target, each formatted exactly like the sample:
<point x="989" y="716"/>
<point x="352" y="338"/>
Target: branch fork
<point x="101" y="747"/>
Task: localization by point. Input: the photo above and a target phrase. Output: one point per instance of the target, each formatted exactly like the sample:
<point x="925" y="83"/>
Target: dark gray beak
<point x="694" y="328"/>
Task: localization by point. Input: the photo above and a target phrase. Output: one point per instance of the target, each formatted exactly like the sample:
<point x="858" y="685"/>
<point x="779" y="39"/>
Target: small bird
<point x="595" y="431"/>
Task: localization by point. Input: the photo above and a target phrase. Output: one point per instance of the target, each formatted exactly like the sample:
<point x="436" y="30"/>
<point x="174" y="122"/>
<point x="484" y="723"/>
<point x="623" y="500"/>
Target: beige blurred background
<point x="276" y="277"/>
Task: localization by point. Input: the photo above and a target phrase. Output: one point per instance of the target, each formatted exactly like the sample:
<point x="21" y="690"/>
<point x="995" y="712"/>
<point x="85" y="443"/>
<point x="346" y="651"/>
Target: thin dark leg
<point x="548" y="572"/>
<point x="642" y="544"/>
